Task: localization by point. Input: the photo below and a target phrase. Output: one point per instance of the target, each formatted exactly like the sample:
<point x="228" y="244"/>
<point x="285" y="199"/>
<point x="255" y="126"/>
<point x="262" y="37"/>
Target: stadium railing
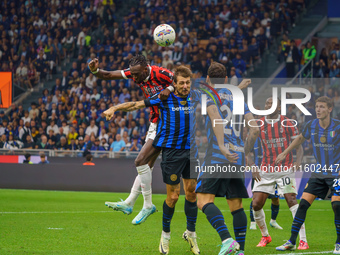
<point x="299" y="76"/>
<point x="69" y="153"/>
<point x="99" y="154"/>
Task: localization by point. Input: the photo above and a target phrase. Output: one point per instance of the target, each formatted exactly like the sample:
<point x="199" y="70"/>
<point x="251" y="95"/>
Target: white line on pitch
<point x="302" y="253"/>
<point x="55" y="228"/>
<point x="56" y="212"/>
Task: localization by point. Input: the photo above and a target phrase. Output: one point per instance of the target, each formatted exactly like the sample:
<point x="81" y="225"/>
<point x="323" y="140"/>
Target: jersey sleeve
<point x="153" y="101"/>
<point x="166" y="77"/>
<point x="257" y="150"/>
<point x="195" y="95"/>
<point x="246" y="109"/>
<point x="306" y="132"/>
<point x="293" y="131"/>
<point x="126" y="73"/>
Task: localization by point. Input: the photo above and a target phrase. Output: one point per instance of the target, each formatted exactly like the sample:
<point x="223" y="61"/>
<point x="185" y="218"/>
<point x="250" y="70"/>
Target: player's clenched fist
<point x="244" y="83"/>
<point x="94" y="65"/>
<point x="109" y="114"/>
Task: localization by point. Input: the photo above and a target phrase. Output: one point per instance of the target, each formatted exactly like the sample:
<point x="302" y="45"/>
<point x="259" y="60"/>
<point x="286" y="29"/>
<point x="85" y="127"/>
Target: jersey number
<point x="336" y="182"/>
<point x="286" y="181"/>
<point x="235" y="122"/>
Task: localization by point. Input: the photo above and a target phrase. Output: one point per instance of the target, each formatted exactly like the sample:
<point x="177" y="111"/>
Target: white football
<point x="164" y="35"/>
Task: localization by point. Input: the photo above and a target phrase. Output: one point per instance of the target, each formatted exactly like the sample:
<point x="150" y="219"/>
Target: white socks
<point x="260" y="219"/>
<point x="145" y="176"/>
<point x="302" y="232"/>
<point x="166" y="234"/>
<point x="135" y="191"/>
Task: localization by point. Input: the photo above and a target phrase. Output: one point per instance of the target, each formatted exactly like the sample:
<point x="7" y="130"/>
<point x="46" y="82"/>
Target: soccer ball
<point x="164" y="35"/>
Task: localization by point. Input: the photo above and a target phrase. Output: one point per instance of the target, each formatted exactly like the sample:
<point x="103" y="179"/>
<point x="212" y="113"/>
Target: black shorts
<point x="176" y="163"/>
<point x="270" y="196"/>
<point x="319" y="186"/>
<point x="223" y="187"/>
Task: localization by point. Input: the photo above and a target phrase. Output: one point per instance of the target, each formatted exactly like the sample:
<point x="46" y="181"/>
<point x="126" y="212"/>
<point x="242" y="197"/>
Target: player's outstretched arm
<point x="102" y="74"/>
<point x="253" y="133"/>
<point x="126" y="107"/>
<point x="219" y="133"/>
<point x="244" y="84"/>
<point x="296" y="142"/>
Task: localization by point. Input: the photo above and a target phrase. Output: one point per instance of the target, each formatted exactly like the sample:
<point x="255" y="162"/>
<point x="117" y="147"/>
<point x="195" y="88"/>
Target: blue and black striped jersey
<point x="176" y="127"/>
<point x="326" y="145"/>
<point x="232" y="131"/>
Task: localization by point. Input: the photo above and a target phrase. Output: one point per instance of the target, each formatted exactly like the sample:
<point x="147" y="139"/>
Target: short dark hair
<point x="325" y="99"/>
<point x="182" y="71"/>
<point x="217" y="72"/>
<point x="138" y="60"/>
<point x="88" y="157"/>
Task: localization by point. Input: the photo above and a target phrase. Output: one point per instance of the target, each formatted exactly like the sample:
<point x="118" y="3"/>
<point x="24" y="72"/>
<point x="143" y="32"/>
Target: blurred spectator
<point x="29" y="144"/>
<point x="135" y="145"/>
<point x="92" y="129"/>
<point x="43" y="144"/>
<point x="118" y="145"/>
<point x="43" y="159"/>
<point x="21" y="74"/>
<point x="308" y="53"/>
<point x="89" y="159"/>
<point x="292" y="58"/>
<point x="336" y="51"/>
<point x="27" y="159"/>
<point x="96" y="146"/>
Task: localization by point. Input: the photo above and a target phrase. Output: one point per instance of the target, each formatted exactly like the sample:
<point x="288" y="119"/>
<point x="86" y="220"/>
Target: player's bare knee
<point x="256" y="206"/>
<point x="200" y="204"/>
<point x="291" y="199"/>
<point x="172" y="199"/>
<point x="140" y="160"/>
<point x="190" y="196"/>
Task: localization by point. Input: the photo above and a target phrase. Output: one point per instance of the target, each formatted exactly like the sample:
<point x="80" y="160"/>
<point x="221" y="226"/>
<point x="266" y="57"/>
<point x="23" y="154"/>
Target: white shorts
<point x="285" y="183"/>
<point x="152" y="131"/>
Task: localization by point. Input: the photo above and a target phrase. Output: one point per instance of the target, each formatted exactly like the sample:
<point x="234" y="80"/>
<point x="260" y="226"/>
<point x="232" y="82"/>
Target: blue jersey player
<point x="174" y="139"/>
<point x="229" y="185"/>
<point x="324" y="133"/>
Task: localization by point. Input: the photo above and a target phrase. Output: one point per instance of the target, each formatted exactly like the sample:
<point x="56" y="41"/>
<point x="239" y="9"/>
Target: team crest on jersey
<point x="332" y="133"/>
<point x="323" y="139"/>
<point x="173" y="177"/>
<point x="183" y="103"/>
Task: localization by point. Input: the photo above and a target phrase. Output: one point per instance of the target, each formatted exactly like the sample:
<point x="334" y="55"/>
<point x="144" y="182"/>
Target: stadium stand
<point x="50" y="42"/>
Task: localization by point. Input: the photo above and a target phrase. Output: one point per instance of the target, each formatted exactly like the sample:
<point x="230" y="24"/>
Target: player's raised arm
<point x="244" y="84"/>
<point x="295" y="144"/>
<point x="102" y="74"/>
<point x="132" y="106"/>
<point x="126" y="107"/>
<point x="219" y="133"/>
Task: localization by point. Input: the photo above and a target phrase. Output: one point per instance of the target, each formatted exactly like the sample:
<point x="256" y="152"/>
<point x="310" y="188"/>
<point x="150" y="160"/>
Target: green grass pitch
<point x="57" y="222"/>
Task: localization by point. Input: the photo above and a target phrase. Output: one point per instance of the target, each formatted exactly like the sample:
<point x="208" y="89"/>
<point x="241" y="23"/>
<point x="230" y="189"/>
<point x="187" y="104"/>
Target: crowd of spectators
<point x="38" y="36"/>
